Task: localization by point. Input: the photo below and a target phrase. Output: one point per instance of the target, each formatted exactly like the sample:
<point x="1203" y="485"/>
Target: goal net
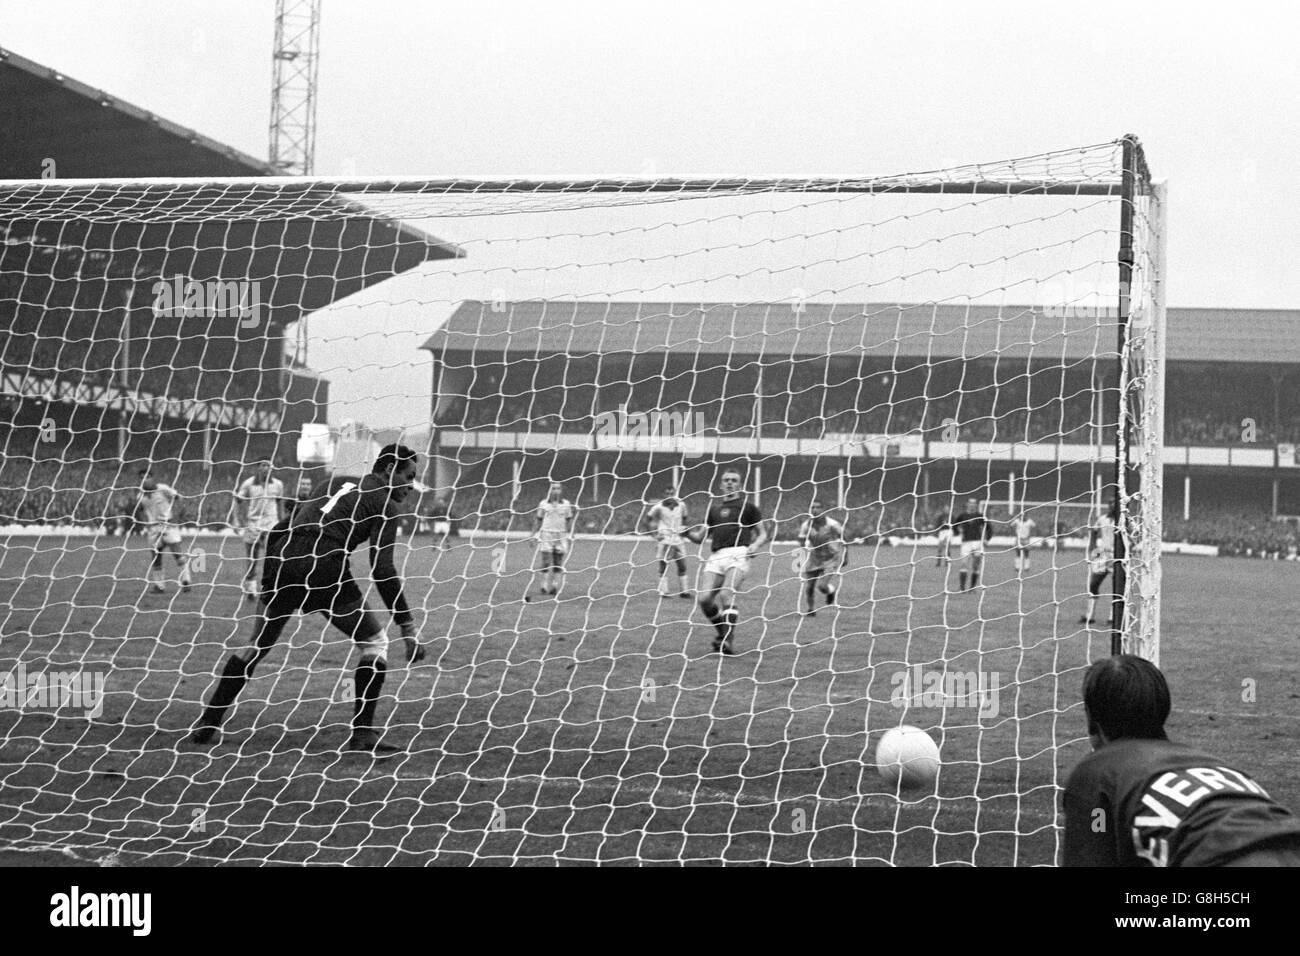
<point x="889" y="347"/>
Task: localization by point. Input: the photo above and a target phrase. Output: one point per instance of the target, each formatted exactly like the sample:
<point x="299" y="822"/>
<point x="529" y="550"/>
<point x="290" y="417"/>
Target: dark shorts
<point x="296" y="578"/>
<point x="1095" y="580"/>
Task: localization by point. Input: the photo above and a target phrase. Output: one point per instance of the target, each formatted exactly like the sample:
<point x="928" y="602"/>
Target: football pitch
<point x="599" y="727"/>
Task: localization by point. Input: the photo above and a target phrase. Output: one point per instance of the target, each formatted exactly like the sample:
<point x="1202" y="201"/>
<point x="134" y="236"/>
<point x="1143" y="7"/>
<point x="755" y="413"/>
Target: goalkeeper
<point x="306" y="569"/>
<point x="824" y="558"/>
<point x="1139" y="799"/>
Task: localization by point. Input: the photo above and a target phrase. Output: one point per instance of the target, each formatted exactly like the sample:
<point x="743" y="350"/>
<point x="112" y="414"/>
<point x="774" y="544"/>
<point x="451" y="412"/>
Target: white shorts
<point x="441" y="526"/>
<point x="944" y="536"/>
<point x="552" y="546"/>
<point x="720" y="562"/>
<point x="161" y="534"/>
<point x="971" y="547"/>
<point x="669" y="548"/>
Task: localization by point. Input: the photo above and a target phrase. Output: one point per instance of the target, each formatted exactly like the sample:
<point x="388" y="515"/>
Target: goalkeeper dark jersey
<point x="338" y="517"/>
<point x="732" y="523"/>
<point x="972" y="526"/>
<point x="1158" y="803"/>
<point x="343" y="513"/>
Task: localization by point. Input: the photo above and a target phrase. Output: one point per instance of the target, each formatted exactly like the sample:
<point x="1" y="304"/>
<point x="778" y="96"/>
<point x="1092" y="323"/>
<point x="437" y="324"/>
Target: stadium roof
<point x="1269" y="336"/>
<point x="90" y="133"/>
<point x="777" y="328"/>
<point x="310" y="245"/>
<point x="967" y="331"/>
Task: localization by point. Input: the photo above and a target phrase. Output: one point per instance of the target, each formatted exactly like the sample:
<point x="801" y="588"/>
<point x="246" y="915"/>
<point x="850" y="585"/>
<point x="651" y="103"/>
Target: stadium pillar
<point x="1275" y="494"/>
<point x="1187" y="496"/>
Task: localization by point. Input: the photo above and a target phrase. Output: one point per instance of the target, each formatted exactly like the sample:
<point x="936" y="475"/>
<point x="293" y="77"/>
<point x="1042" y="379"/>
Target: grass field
<point x="598" y="727"/>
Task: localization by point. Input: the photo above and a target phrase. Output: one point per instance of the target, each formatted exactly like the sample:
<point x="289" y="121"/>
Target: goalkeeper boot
<point x="365" y="740"/>
<point x="207" y="731"/>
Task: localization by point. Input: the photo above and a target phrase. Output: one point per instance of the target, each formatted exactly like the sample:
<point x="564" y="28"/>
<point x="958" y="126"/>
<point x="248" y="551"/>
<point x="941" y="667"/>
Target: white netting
<point x="892" y="347"/>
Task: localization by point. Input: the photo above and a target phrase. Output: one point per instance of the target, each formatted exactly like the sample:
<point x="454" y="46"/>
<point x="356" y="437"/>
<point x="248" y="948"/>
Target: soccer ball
<point x="907" y="758"/>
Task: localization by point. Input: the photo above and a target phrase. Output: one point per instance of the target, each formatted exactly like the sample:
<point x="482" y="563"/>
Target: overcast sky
<point x="752" y="89"/>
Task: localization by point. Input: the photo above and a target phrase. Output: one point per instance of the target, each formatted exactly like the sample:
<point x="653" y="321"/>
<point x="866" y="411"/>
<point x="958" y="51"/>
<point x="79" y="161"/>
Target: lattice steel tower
<point x="295" y="60"/>
<point x="293" y="89"/>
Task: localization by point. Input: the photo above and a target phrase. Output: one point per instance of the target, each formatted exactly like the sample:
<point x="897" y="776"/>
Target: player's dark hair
<point x="392" y="455"/>
<point x="1127" y="698"/>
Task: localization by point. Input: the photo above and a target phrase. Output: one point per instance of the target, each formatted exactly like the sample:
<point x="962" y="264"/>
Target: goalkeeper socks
<point x="370" y="680"/>
<point x="810" y="594"/>
<point x="962" y="578"/>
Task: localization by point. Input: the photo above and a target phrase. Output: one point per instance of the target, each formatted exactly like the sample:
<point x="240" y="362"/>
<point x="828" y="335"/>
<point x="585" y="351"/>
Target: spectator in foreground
<point x="1139" y="799"/>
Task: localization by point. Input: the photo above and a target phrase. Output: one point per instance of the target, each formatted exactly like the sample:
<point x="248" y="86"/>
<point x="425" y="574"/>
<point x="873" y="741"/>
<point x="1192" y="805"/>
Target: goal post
<point x="1140" y="438"/>
<point x="892" y="347"/>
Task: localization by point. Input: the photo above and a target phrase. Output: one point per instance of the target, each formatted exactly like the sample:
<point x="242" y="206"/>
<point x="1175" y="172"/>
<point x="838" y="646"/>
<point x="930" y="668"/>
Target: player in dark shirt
<point x="972" y="529"/>
<point x="735" y="529"/>
<point x="1142" y="800"/>
<point x="306" y="569"/>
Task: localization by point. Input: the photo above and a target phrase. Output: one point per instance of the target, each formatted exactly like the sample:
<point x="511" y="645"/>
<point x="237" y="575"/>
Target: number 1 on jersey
<point x="334" y="498"/>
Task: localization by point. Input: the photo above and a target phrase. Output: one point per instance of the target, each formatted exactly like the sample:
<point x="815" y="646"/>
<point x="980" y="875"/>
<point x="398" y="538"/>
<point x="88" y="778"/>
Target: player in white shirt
<point x="1101" y="557"/>
<point x="1022" y="526"/>
<point x="944" y="552"/>
<point x="553" y="528"/>
<point x="823" y="559"/>
<point x="156" y="500"/>
<point x="258" y="505"/>
<point x="667" y="521"/>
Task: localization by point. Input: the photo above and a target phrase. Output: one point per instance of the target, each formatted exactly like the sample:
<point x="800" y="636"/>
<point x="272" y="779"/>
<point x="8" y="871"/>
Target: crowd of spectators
<point x="1236" y="533"/>
<point x="106" y="494"/>
<point x="983" y="400"/>
<point x="82" y="493"/>
<point x="494" y="508"/>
